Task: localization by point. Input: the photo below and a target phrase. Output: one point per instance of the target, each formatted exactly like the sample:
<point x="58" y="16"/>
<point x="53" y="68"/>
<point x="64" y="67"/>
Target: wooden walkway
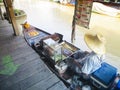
<point x="21" y="67"/>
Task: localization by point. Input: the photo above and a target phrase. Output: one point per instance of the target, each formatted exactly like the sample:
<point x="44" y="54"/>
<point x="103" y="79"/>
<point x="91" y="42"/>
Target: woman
<point x="90" y="62"/>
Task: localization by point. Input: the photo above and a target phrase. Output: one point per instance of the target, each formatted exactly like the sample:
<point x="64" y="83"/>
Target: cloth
<point x="107" y="10"/>
<point x="91" y="63"/>
<point x="87" y="63"/>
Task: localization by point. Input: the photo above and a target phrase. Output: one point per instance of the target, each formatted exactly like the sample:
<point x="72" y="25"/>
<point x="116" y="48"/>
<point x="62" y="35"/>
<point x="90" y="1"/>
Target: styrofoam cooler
<point x="104" y="76"/>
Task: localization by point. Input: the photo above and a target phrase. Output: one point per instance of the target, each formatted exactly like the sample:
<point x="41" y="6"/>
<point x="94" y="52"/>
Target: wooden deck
<point x="21" y="67"/>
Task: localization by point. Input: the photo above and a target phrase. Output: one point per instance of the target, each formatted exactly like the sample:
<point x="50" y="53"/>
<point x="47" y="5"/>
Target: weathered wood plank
<point x="12" y="49"/>
<point x="38" y="72"/>
<point x="45" y="84"/>
<point x="21" y="57"/>
<point x="35" y="63"/>
<point x="32" y="73"/>
<point x="12" y="42"/>
<point x="21" y="44"/>
<point x="6" y="38"/>
<point x="22" y="51"/>
<point x="5" y="31"/>
<point x="26" y="78"/>
<point x="4" y="24"/>
<point x="58" y="86"/>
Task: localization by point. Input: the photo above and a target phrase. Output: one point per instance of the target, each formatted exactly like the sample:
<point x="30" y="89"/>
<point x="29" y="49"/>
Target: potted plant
<point x="20" y="17"/>
<point x="1" y="1"/>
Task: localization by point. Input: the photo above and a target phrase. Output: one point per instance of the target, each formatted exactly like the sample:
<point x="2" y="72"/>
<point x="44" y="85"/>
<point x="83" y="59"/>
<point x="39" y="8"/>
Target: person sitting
<point x="92" y="60"/>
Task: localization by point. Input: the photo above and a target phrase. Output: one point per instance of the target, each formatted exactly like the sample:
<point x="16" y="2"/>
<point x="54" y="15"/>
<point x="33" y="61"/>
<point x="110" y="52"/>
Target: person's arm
<point x="88" y="66"/>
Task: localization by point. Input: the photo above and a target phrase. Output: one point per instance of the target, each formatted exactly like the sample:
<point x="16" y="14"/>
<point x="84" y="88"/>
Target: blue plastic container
<point x="118" y="85"/>
<point x="104" y="76"/>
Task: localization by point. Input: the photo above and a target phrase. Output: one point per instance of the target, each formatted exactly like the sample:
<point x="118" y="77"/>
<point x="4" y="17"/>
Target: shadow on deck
<point x="21" y="67"/>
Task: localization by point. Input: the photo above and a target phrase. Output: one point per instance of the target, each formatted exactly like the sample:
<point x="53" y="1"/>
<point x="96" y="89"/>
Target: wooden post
<point x="10" y="12"/>
<point x="73" y="24"/>
<point x="73" y="30"/>
<point x="7" y="11"/>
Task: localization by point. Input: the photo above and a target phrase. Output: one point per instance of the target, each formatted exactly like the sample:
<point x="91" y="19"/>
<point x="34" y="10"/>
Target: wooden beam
<point x="10" y="12"/>
<point x="7" y="12"/>
<point x="1" y="13"/>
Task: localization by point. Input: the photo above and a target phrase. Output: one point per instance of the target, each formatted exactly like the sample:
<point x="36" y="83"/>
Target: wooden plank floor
<point x="21" y="67"/>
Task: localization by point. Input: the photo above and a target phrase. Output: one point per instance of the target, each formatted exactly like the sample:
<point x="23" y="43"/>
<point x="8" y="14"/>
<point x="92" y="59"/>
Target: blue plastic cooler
<point x="104" y="76"/>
